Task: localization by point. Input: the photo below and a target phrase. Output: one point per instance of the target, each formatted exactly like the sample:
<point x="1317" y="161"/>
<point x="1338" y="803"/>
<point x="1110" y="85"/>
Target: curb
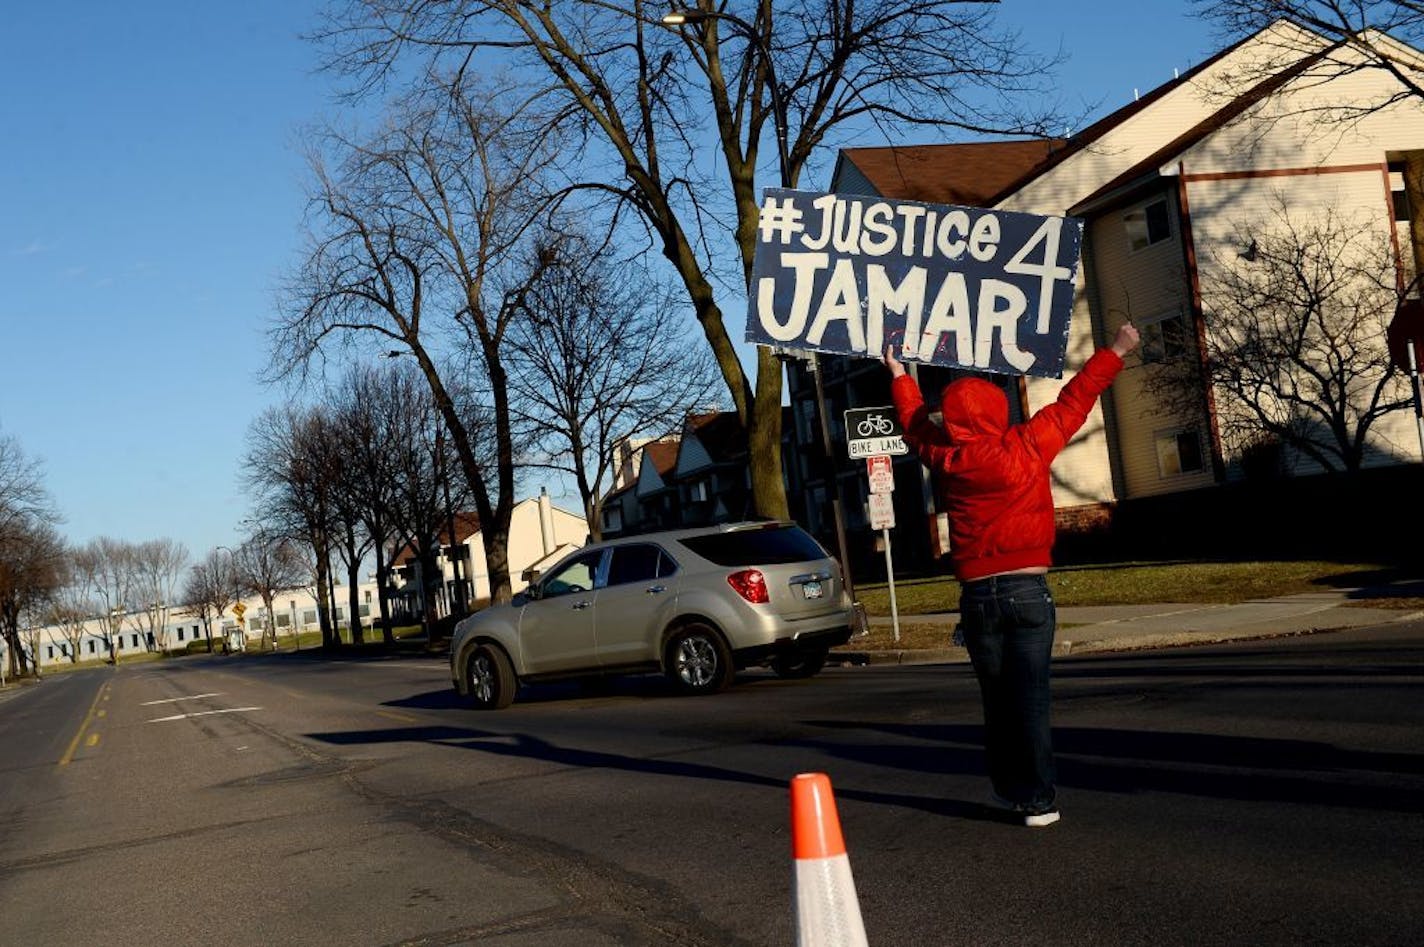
<point x="1064" y="647"/>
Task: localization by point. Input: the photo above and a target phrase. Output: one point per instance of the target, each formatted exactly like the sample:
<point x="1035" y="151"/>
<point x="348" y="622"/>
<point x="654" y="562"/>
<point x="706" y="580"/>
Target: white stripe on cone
<point x="827" y="909"/>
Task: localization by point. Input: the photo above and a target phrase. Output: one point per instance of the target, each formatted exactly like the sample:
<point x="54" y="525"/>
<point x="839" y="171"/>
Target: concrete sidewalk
<point x="1100" y="628"/>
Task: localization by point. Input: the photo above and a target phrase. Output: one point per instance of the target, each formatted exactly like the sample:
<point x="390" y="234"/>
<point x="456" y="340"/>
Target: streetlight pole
<point x="680" y="18"/>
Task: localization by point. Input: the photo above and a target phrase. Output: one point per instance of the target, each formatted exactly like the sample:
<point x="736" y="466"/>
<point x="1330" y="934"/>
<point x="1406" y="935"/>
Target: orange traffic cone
<point x="827" y="910"/>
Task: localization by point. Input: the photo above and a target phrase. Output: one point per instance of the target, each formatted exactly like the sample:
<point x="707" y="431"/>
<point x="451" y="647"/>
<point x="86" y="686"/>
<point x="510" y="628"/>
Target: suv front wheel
<point x="699" y="661"/>
<point x="490" y="678"/>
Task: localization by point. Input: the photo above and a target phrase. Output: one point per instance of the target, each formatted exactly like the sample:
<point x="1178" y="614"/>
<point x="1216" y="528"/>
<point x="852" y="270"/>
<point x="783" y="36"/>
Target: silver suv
<point x="696" y="604"/>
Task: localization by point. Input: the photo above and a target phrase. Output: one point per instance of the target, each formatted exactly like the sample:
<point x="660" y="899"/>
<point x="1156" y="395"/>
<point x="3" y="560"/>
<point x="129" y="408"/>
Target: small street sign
<point x="871" y="431"/>
<point x="238" y="609"/>
<point x="882" y="511"/>
<point x="882" y="476"/>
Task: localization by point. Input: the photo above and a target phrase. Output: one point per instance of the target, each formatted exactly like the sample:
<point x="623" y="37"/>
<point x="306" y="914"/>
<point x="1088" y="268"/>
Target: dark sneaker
<point x="1037" y="820"/>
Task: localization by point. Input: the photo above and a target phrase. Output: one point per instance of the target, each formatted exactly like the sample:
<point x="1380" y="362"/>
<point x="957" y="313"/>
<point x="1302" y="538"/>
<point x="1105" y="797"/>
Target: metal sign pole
<point x="1414" y="384"/>
<point x="890" y="579"/>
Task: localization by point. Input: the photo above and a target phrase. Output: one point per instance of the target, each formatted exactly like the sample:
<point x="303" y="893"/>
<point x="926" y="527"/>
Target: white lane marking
<point x="203" y="713"/>
<point x="170" y="700"/>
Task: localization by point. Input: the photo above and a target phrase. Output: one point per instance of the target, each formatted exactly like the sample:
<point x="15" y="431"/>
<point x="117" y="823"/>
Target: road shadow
<point x="631" y="686"/>
<point x="523" y="746"/>
<point x="1106" y="759"/>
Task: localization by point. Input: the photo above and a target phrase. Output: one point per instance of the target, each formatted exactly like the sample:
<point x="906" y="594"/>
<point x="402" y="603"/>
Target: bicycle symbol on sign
<point x="875" y="425"/>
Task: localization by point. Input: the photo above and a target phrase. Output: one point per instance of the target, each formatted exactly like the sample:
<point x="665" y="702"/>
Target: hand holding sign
<point x="892" y="363"/>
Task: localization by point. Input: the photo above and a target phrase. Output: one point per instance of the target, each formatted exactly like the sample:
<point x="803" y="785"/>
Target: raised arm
<point x="921" y="434"/>
<point x="1054" y="425"/>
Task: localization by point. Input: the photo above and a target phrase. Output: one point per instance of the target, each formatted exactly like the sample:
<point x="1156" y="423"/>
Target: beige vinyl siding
<point x="1224" y="215"/>
<point x="1293" y="128"/>
<point x="1137" y="138"/>
<point x="1082" y="473"/>
<point x="1142" y="285"/>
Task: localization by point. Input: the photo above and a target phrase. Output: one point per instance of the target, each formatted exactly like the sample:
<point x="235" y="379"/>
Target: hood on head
<point x="973" y="407"/>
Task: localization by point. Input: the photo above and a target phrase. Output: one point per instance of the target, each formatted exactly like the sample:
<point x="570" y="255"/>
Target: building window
<point x="91" y="646"/>
<point x="1399" y="197"/>
<point x="1147" y="225"/>
<point x="180" y="632"/>
<point x="612" y="519"/>
<point x="1179" y="452"/>
<point x="50" y="648"/>
<point x="1164" y="337"/>
<point x="309" y="616"/>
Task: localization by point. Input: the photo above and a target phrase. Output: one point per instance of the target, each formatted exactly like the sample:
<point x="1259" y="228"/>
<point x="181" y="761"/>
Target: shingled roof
<point x="966" y="174"/>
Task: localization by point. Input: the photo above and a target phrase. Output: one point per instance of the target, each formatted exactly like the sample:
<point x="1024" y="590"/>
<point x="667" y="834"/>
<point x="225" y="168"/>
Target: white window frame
<point x="1142" y="240"/>
<point x="1166" y="443"/>
<point x="1154" y="341"/>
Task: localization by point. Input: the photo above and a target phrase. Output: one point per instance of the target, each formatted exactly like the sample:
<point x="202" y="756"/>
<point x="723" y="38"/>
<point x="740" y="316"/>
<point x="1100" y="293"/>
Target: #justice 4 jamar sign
<point x="958" y="286"/>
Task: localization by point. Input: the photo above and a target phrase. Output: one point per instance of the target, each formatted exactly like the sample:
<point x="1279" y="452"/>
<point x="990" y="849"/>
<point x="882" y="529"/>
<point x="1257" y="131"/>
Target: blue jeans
<point x="1008" y="624"/>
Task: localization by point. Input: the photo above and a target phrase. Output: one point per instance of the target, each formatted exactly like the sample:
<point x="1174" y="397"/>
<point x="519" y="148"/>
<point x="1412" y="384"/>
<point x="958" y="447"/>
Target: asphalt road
<point x="1254" y="793"/>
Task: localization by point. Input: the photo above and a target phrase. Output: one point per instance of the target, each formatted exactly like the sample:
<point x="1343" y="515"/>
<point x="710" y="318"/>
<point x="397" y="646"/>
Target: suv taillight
<point x="750" y="585"/>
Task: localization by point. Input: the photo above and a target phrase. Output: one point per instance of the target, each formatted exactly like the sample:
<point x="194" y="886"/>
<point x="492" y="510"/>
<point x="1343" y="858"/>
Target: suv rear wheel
<point x="699" y="661"/>
<point x="490" y="678"/>
<point x="796" y="664"/>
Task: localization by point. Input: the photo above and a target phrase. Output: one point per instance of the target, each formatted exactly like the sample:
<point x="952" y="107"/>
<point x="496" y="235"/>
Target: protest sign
<point x="959" y="286"/>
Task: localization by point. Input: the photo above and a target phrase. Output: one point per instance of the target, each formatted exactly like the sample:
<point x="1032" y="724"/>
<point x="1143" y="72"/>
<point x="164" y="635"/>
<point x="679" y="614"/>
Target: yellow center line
<point x="93" y="740"/>
<point x="403" y="718"/>
<point x="88" y="718"/>
<point x="102" y="714"/>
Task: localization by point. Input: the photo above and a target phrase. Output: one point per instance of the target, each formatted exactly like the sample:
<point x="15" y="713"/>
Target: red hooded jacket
<point x="1000" y="502"/>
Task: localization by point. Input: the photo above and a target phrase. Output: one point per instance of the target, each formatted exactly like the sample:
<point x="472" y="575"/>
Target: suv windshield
<point x="769" y="546"/>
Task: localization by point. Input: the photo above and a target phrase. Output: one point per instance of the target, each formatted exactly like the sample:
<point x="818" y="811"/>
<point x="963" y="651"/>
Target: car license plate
<point x="811" y="590"/>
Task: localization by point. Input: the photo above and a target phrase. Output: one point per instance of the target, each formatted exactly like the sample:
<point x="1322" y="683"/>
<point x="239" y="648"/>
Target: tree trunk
<point x="382" y="577"/>
<point x="353" y="580"/>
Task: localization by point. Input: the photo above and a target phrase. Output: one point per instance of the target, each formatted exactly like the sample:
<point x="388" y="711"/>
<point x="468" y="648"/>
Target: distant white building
<point x="295" y="611"/>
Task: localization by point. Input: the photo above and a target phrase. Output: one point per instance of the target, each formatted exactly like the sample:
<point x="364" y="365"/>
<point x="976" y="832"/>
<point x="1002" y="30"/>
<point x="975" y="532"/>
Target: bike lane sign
<point x="872" y="431"/>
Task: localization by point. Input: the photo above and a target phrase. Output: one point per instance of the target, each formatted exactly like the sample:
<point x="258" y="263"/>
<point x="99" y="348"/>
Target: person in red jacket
<point x="1001" y="528"/>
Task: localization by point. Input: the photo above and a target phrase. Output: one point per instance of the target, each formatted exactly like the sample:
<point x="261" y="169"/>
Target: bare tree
<point x="158" y="568"/>
<point x="210" y="589"/>
<point x="71" y="607"/>
<point x="1295" y="340"/>
<point x="293" y="469"/>
<point x="417" y="246"/>
<point x="421" y="457"/>
<point x="268" y="564"/>
<point x="599" y="358"/>
<point x="1340" y="39"/>
<point x="106" y="566"/>
<point x="24" y="500"/>
<point x="643" y="94"/>
<point x="31" y="554"/>
<point x="1321" y="42"/>
<point x="31" y="570"/>
<point x="373" y="413"/>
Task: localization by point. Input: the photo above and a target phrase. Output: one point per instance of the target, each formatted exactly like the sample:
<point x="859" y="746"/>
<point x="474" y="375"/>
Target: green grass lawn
<point x="1137" y="583"/>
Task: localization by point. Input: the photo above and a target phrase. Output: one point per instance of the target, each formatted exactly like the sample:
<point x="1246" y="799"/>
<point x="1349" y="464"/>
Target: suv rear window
<point x="770" y="546"/>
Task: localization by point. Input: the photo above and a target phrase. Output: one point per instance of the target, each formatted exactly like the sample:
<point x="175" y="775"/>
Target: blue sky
<point x="152" y="198"/>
